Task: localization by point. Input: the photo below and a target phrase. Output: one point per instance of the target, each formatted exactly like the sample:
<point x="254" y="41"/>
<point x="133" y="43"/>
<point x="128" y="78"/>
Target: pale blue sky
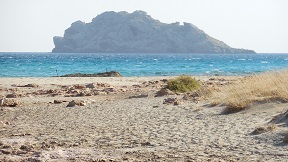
<point x="260" y="25"/>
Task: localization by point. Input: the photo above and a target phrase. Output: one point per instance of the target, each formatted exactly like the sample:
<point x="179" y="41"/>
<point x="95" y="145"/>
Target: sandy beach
<point x="120" y="119"/>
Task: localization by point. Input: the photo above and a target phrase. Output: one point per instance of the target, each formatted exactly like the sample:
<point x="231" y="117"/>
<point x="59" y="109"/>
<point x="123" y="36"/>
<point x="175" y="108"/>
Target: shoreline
<point x="119" y="78"/>
<point x="76" y="80"/>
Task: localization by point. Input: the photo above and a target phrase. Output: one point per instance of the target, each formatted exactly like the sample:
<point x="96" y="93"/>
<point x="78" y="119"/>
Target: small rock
<point x="6" y="151"/>
<point x="164" y="92"/>
<point x="78" y="86"/>
<point x="12" y="95"/>
<point x="89" y="94"/>
<point x="174" y="101"/>
<point x="7" y="146"/>
<point x="27" y="85"/>
<point x="81" y="94"/>
<point x="71" y="104"/>
<point x="123" y="90"/>
<point x="50" y="91"/>
<point x="76" y="144"/>
<point x="139" y="96"/>
<point x="164" y="80"/>
<point x="146" y="144"/>
<point x="81" y="103"/>
<point x="76" y="102"/>
<point x="91" y="85"/>
<point x="31" y="85"/>
<point x="11" y="103"/>
<point x="26" y="147"/>
<point x="177" y="102"/>
<point x="47" y="146"/>
<point x="58" y="101"/>
<point x="20" y="152"/>
<point x="136" y="86"/>
<point x="110" y="89"/>
<point x="7" y="123"/>
<point x="169" y="100"/>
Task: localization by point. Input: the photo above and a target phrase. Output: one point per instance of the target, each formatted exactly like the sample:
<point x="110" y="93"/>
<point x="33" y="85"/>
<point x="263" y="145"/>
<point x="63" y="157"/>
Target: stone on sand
<point x="10" y="102"/>
<point x="174" y="101"/>
<point x="76" y="102"/>
<point x="164" y="92"/>
<point x="110" y="89"/>
<point x="91" y="85"/>
<point x="31" y="85"/>
<point x="13" y="95"/>
<point x="58" y="101"/>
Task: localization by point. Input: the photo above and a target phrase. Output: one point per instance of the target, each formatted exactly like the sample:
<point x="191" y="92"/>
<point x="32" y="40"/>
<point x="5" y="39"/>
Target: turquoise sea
<point x="133" y="64"/>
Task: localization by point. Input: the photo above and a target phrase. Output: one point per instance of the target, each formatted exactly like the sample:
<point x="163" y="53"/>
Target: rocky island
<point x="137" y="32"/>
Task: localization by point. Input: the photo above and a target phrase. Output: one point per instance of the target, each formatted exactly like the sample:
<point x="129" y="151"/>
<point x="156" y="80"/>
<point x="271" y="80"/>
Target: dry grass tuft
<point x="266" y="87"/>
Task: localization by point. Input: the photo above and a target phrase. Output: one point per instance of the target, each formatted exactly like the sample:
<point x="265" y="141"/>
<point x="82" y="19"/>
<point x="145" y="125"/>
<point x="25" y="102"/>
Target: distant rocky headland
<point x="137" y="32"/>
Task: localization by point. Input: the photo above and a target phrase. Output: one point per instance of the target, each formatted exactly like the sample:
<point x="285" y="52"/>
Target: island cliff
<point x="137" y="32"/>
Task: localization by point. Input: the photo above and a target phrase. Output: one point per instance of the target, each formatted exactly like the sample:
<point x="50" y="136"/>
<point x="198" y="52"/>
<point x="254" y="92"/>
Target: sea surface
<point x="133" y="64"/>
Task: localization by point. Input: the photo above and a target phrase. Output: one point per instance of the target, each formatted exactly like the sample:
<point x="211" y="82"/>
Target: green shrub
<point x="183" y="84"/>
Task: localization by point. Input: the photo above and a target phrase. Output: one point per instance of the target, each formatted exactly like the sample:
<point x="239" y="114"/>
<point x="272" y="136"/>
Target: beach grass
<point x="183" y="84"/>
<point x="265" y="87"/>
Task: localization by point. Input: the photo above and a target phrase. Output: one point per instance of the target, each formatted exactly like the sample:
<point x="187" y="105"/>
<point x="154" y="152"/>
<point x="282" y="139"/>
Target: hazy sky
<point x="260" y="25"/>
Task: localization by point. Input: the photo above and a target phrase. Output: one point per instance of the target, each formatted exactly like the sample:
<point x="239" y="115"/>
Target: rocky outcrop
<point x="122" y="32"/>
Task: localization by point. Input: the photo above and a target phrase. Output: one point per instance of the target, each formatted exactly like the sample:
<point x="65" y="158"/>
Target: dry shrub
<point x="203" y="92"/>
<point x="183" y="84"/>
<point x="266" y="87"/>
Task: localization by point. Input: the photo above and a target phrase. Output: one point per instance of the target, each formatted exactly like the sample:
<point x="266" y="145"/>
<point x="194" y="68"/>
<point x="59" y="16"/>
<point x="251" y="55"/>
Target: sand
<point x="121" y="120"/>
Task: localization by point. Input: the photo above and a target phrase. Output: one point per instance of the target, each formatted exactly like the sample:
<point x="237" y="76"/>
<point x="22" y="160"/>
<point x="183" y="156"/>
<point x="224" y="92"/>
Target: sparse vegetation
<point x="183" y="84"/>
<point x="266" y="87"/>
